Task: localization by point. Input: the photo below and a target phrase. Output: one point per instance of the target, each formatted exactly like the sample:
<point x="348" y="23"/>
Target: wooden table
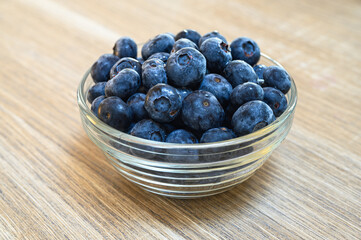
<point x="56" y="184"/>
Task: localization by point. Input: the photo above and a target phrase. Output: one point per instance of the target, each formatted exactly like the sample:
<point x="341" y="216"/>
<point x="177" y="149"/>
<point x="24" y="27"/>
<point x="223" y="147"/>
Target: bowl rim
<point x="82" y="103"/>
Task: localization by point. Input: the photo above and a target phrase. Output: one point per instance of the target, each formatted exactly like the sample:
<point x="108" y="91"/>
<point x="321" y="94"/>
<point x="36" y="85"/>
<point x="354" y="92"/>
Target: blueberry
<point x="160" y="43"/>
<point x="161" y="56"/>
<point x="124" y="84"/>
<point x="130" y="127"/>
<point x="125" y="63"/>
<point x="245" y="49"/>
<point x="95" y="104"/>
<point x="277" y="77"/>
<point x="218" y="86"/>
<point x="182" y="43"/>
<point x="217" y="135"/>
<point x="140" y="60"/>
<point x="148" y="129"/>
<point x="136" y="103"/>
<point x="186" y="67"/>
<point x="246" y="92"/>
<point x="125" y="47"/>
<point x="229" y="111"/>
<point x="170" y="34"/>
<point x="275" y="99"/>
<point x="181" y="136"/>
<point x="163" y="103"/>
<point x="115" y="112"/>
<point x="238" y="72"/>
<point x="252" y="116"/>
<point x="178" y="122"/>
<point x="142" y="89"/>
<point x="96" y="91"/>
<point x="259" y="69"/>
<point x="183" y="155"/>
<point x="202" y="111"/>
<point x="153" y="72"/>
<point x="196" y="133"/>
<point x="101" y="68"/>
<point x="190" y="34"/>
<point x="211" y="35"/>
<point x="168" y="128"/>
<point x="184" y="92"/>
<point x="217" y="54"/>
<point x="153" y="61"/>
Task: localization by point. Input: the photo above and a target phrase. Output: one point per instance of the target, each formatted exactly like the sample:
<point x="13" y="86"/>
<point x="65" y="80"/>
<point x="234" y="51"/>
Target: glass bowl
<point x="186" y="170"/>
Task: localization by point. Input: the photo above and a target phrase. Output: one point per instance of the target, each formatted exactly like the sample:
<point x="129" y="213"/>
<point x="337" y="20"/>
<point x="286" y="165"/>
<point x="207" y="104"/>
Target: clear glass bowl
<point x="186" y="170"/>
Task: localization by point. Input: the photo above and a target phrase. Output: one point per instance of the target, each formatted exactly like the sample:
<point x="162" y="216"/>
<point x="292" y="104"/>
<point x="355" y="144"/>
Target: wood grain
<point x="56" y="184"/>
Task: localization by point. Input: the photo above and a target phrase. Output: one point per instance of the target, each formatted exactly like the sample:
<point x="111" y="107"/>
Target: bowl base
<point x="185" y="194"/>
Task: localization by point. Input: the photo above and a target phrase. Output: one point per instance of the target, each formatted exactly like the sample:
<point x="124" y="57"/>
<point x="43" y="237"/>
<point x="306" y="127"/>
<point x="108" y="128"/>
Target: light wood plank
<point x="55" y="183"/>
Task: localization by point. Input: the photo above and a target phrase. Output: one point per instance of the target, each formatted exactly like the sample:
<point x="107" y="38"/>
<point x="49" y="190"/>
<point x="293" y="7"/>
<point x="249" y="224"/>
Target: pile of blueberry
<point x="187" y="88"/>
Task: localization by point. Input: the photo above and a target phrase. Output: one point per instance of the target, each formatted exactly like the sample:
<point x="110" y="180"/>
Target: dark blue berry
<point x="178" y="122"/>
<point x="238" y="72"/>
<point x="153" y="72"/>
<point x="140" y="60"/>
<point x="183" y="43"/>
<point x="160" y="43"/>
<point x="181" y="136"/>
<point x="245" y="49"/>
<point x="229" y="111"/>
<point x="148" y="129"/>
<point x="190" y="34"/>
<point x="101" y="68"/>
<point x="115" y="112"/>
<point x="275" y="99"/>
<point x="196" y="133"/>
<point x="161" y="56"/>
<point x="170" y="34"/>
<point x="123" y="85"/>
<point x="96" y="91"/>
<point x="125" y="47"/>
<point x="217" y="135"/>
<point x="211" y="35"/>
<point x="246" y="92"/>
<point x="183" y="155"/>
<point x="130" y="127"/>
<point x="95" y="104"/>
<point x="154" y="62"/>
<point x="217" y="54"/>
<point x="277" y="77"/>
<point x="251" y="117"/>
<point x="168" y="128"/>
<point x="163" y="103"/>
<point x="186" y="67"/>
<point x="142" y="89"/>
<point x="202" y="111"/>
<point x="184" y="92"/>
<point x="259" y="69"/>
<point x="125" y="63"/>
<point x="218" y="86"/>
<point x="136" y="103"/>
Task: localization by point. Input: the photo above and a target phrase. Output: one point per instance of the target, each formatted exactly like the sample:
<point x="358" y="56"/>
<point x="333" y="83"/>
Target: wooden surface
<point x="56" y="184"/>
